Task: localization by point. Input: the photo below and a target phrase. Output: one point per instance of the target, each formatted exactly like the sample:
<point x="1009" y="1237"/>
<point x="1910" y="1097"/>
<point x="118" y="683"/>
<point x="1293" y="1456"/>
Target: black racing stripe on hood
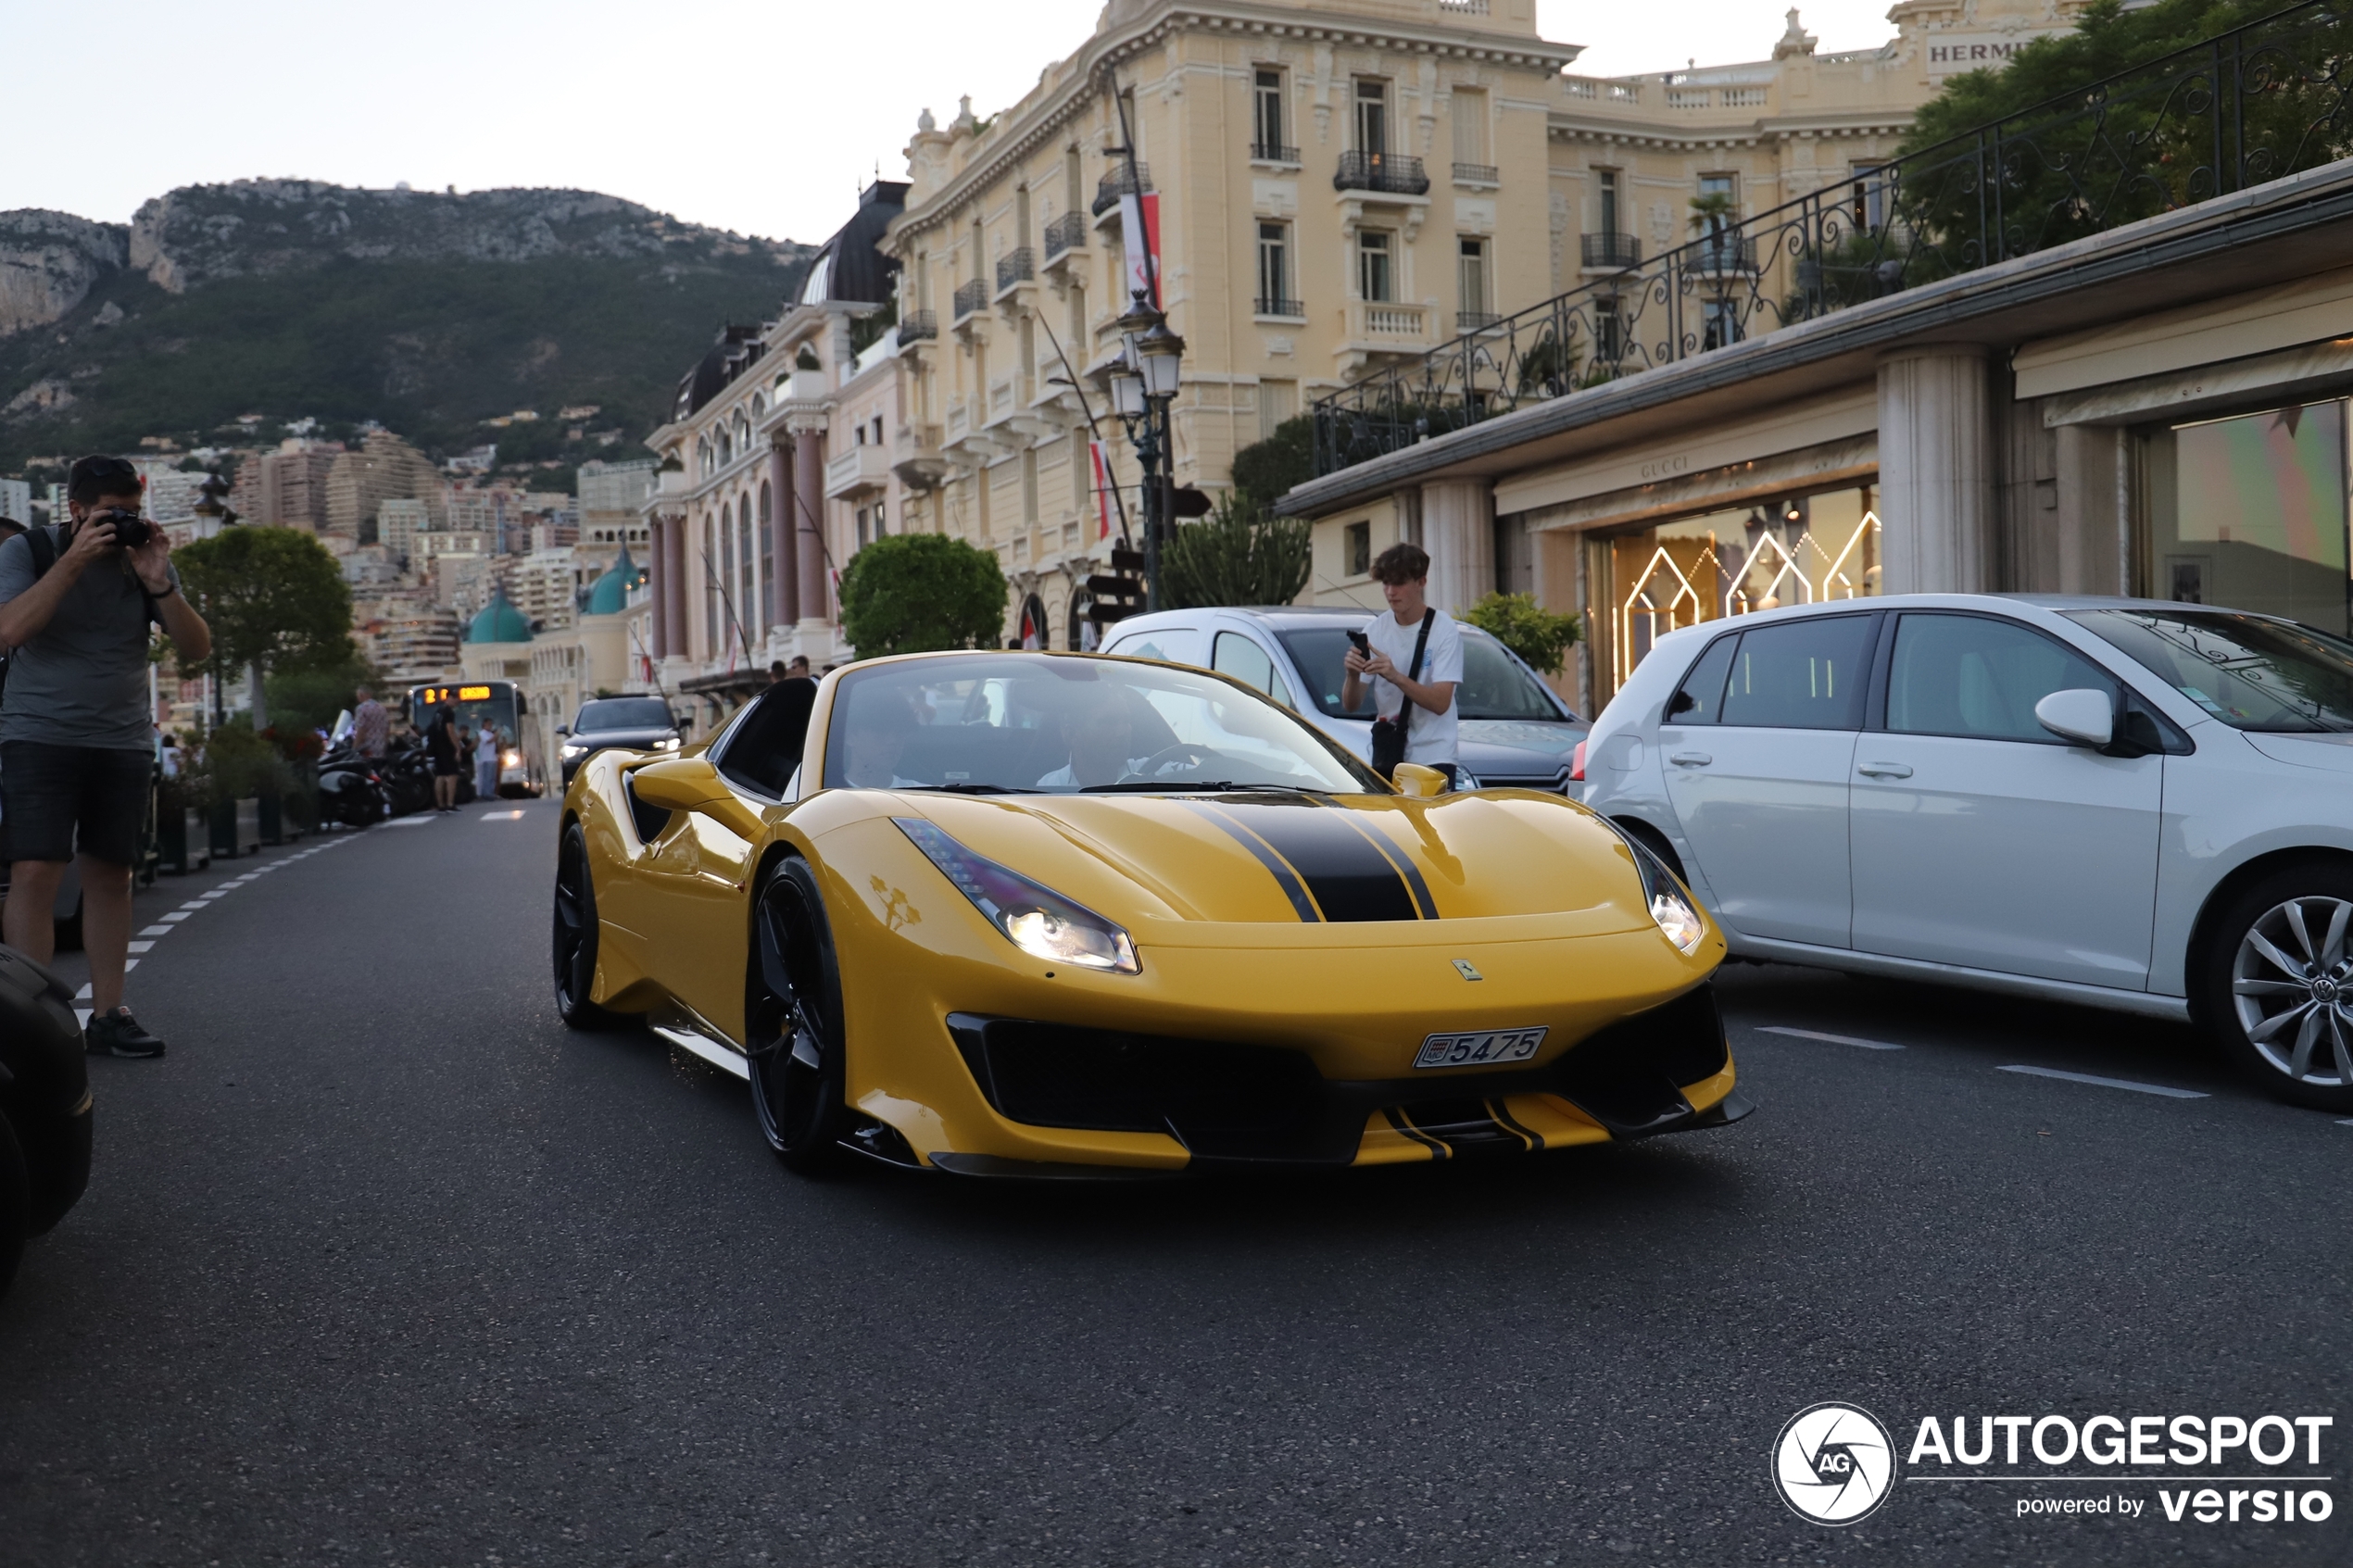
<point x="1288" y="882"/>
<point x="1405" y="868"/>
<point x="1350" y="878"/>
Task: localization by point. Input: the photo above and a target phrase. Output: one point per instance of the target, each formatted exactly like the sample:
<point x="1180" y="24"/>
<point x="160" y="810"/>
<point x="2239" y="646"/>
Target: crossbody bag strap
<point x="1405" y="708"/>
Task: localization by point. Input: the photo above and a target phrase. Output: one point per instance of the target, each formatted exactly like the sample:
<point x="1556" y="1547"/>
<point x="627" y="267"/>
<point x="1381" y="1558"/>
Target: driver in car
<point x="1100" y="732"/>
<point x="878" y="738"/>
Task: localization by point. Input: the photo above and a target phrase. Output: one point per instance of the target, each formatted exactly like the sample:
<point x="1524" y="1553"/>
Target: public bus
<point x="522" y="770"/>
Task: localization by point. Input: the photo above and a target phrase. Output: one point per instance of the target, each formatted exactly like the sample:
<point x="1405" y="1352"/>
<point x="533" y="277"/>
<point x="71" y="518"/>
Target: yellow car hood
<point x="1179" y="867"/>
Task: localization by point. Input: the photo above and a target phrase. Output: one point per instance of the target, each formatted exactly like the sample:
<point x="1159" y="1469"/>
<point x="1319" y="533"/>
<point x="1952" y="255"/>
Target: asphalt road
<point x="382" y="1265"/>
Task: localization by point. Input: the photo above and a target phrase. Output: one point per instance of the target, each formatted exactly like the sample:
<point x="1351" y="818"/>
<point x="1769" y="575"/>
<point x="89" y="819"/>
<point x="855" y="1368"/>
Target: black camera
<point x="131" y="530"/>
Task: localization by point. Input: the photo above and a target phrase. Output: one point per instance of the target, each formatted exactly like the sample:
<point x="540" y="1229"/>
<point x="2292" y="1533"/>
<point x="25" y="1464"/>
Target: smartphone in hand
<point x="1360" y="644"/>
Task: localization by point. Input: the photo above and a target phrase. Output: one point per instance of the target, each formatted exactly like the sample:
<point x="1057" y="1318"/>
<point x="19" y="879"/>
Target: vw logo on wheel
<point x="1834" y="1464"/>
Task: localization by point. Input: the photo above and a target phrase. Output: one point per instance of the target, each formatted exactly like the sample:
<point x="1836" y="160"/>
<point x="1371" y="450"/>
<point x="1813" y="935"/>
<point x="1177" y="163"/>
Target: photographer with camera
<point x="76" y="737"/>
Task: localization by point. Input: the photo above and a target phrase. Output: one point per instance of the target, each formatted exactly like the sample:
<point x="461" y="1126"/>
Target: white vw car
<point x="2119" y="802"/>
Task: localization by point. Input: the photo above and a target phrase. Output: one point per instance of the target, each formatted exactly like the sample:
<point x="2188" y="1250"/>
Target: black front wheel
<point x="576" y="934"/>
<point x="793" y="1022"/>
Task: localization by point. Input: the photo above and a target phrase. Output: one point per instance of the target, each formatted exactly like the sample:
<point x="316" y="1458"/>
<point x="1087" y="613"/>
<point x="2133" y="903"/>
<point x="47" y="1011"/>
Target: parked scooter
<point x="406" y="774"/>
<point x="351" y="788"/>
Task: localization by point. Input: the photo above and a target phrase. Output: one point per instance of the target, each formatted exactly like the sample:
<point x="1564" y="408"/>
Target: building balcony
<point x="1723" y="256"/>
<point x="1477" y="174"/>
<point x="1064" y="234"/>
<point x="1270" y="152"/>
<point x="1118" y="181"/>
<point x="1284" y="310"/>
<point x="1610" y="252"/>
<point x="1378" y="330"/>
<point x="858" y="469"/>
<point x="916" y="457"/>
<point x="1468" y="322"/>
<point x="1387" y="173"/>
<point x="1014" y="268"/>
<point x="970" y="298"/>
<point x="918" y="326"/>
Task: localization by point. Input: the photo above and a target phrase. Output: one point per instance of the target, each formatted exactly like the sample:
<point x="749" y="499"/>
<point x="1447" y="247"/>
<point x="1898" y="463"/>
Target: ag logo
<point x="1833" y="1463"/>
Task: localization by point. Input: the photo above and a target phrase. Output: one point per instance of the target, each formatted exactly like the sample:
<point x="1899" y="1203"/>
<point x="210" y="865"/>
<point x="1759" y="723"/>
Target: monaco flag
<point x="1139" y="234"/>
<point x="1102" y="488"/>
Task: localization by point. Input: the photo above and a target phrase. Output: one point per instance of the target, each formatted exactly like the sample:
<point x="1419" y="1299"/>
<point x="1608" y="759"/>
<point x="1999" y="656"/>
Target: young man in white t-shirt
<point x="1403" y="572"/>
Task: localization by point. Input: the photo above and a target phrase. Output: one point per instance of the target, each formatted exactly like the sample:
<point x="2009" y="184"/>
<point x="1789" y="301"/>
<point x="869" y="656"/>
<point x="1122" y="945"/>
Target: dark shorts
<point x="48" y="792"/>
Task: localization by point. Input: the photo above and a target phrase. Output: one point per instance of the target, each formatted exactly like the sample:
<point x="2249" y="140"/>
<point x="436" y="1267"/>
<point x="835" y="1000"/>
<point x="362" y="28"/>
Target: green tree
<point x="1266" y="470"/>
<point x="301" y="700"/>
<point x="1527" y="628"/>
<point x="910" y="592"/>
<point x="275" y="600"/>
<point x="2072" y="162"/>
<point x="1238" y="555"/>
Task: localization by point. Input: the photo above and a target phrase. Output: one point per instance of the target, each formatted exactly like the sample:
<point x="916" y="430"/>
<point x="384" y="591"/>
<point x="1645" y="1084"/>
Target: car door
<point x="1757" y="744"/>
<point x="1979" y="838"/>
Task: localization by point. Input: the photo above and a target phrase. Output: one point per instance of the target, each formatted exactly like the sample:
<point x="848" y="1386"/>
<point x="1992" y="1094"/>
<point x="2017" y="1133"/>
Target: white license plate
<point x="1481" y="1048"/>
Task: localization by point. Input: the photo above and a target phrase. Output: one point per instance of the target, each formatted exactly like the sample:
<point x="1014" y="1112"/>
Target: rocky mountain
<point x="430" y="311"/>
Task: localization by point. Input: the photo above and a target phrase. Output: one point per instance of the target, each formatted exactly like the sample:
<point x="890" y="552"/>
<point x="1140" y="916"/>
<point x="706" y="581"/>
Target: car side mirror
<point x="2081" y="716"/>
<point x="563" y="729"/>
<point x="680" y="785"/>
<point x="1413" y="778"/>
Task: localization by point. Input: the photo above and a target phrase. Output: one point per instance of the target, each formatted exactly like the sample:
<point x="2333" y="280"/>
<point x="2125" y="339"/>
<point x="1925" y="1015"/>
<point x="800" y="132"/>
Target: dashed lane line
<point x="501" y="816"/>
<point x="1833" y="1040"/>
<point x="2168" y="1091"/>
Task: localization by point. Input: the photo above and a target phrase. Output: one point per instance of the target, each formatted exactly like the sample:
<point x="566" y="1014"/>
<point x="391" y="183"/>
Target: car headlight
<point x="511" y="759"/>
<point x="572" y="748"/>
<point x="1672" y="907"/>
<point x="670" y="744"/>
<point x="1034" y="918"/>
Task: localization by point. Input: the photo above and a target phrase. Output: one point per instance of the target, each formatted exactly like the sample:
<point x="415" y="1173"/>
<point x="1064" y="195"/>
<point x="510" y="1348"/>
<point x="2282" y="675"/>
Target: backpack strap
<point x="45" y="551"/>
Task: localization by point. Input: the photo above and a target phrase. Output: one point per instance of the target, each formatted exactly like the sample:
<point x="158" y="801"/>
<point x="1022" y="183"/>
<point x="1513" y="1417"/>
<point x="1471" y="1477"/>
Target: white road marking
<point x="1833" y="1040"/>
<point x="82" y="1016"/>
<point x="2108" y="1082"/>
<point x="130" y="964"/>
<point x="500" y="816"/>
<point x="155" y="931"/>
<point x="710" y="1050"/>
<point x="141" y="947"/>
<point x="82" y="995"/>
<point x="191" y="903"/>
<point x="2347" y="1122"/>
<point x="176" y="914"/>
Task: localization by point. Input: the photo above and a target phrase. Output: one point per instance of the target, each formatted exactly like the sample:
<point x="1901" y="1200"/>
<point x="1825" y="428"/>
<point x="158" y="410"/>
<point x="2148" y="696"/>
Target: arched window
<point x="748" y="589"/>
<point x="767" y="561"/>
<point x="728" y="604"/>
<point x="726" y="450"/>
<point x="711" y="589"/>
<point x="758" y="405"/>
<point x="702" y="456"/>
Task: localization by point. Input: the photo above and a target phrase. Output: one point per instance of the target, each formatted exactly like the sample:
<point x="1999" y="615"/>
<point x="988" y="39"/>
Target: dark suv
<point x="639" y="723"/>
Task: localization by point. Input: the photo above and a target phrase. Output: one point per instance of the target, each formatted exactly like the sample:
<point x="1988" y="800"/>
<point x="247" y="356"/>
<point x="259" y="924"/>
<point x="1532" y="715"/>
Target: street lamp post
<point x="1143" y="389"/>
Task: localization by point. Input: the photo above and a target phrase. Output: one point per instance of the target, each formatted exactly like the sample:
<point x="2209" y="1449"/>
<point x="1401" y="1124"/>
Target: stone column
<point x="659" y="569"/>
<point x="674" y="557"/>
<point x="1458" y="530"/>
<point x="809" y="506"/>
<point x="786" y="585"/>
<point x="1936" y="468"/>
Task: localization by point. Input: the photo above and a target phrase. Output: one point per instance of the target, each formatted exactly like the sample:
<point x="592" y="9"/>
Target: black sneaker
<point x="119" y="1033"/>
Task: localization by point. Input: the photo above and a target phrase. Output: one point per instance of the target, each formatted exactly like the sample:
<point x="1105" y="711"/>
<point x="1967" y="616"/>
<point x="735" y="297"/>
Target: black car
<point x="639" y="723"/>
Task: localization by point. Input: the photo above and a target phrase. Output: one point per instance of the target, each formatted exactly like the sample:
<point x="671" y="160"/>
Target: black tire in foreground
<point x="44" y="1106"/>
<point x="576" y="934"/>
<point x="2275" y="983"/>
<point x="793" y="1022"/>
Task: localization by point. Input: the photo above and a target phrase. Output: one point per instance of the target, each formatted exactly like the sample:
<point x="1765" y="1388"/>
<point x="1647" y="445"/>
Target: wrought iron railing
<point x="1066" y="232"/>
<point x="1118" y="181"/>
<point x="1478" y="174"/>
<point x="1269" y="305"/>
<point x="1390" y="172"/>
<point x="1272" y="152"/>
<point x="1611" y="249"/>
<point x="1016" y="266"/>
<point x="971" y="297"/>
<point x="917" y="325"/>
<point x="2258" y="101"/>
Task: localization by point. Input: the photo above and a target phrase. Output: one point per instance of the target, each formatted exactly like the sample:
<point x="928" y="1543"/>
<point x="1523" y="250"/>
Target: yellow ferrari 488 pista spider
<point x="1029" y="913"/>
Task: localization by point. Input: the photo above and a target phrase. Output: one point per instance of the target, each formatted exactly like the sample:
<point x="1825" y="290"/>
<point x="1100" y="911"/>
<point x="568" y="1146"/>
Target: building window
<point x="2251" y="511"/>
<point x="1470" y="271"/>
<point x="1274" y="271"/>
<point x="862" y="527"/>
<point x="1609" y="329"/>
<point x="1372" y="118"/>
<point x="1472" y="160"/>
<point x="767" y="560"/>
<point x="1266" y="120"/>
<point x="1607" y="179"/>
<point x="1375" y="266"/>
<point x="747" y="582"/>
<point x="1277" y="401"/>
<point x="1359" y="550"/>
<point x="1870" y="198"/>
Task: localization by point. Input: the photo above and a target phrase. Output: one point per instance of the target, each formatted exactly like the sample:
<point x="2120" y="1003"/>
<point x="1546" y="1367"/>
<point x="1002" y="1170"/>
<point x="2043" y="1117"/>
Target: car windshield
<point x="623" y="713"/>
<point x="1054" y="723"/>
<point x="2250" y="671"/>
<point x="1495" y="686"/>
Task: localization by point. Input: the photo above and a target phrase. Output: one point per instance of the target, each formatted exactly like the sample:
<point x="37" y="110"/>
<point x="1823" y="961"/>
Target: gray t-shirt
<point x="83" y="681"/>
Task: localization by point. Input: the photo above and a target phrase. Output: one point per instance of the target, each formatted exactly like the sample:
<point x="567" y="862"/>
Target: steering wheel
<point x="1196" y="755"/>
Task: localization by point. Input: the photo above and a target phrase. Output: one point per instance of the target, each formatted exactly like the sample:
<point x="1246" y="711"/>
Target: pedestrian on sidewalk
<point x="1412" y="664"/>
<point x="487" y="762"/>
<point x="370" y="726"/>
<point x="443" y="743"/>
<point x="76" y="737"/>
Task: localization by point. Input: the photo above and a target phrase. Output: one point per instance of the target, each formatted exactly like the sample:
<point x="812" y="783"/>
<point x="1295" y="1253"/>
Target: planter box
<point x="184" y="842"/>
<point x="278" y="820"/>
<point x="236" y="827"/>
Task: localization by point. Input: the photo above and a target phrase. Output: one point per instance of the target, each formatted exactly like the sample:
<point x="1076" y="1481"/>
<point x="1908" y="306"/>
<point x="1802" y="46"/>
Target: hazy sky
<point x="761" y="118"/>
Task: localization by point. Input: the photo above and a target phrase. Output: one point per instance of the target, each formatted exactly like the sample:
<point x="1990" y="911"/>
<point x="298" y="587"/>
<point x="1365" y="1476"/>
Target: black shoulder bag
<point x="1388" y="735"/>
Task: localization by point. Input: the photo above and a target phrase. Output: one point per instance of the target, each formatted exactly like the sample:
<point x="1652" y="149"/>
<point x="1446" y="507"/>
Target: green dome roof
<point x="500" y="621"/>
<point x="609" y="593"/>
